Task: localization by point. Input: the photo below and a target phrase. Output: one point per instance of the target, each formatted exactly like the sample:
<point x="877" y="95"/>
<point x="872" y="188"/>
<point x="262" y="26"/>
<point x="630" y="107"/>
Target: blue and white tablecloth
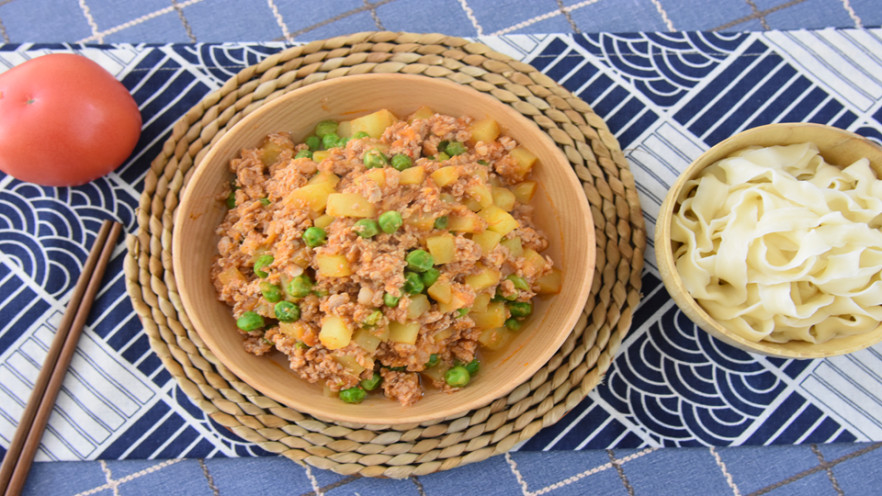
<point x="667" y="97"/>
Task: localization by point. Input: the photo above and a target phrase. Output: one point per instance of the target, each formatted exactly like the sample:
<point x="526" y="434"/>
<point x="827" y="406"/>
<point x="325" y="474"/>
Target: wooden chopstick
<point x="20" y="455"/>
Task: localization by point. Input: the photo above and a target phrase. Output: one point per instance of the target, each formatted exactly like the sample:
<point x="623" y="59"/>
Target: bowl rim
<point x="671" y="278"/>
<point x="582" y="209"/>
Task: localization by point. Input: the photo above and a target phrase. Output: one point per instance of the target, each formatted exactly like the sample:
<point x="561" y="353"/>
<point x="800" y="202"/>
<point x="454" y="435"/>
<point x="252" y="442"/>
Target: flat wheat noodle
<point x="400" y="451"/>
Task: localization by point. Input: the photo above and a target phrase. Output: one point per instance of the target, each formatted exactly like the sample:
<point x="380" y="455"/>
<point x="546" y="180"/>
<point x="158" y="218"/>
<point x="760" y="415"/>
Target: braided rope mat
<point x="395" y="451"/>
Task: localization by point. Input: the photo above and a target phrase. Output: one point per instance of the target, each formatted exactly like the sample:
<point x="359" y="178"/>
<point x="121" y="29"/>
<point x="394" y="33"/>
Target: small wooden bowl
<point x="561" y="210"/>
<point x="838" y="147"/>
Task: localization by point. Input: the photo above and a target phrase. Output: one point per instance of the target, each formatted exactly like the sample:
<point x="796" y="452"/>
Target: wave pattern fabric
<point x="667" y="97"/>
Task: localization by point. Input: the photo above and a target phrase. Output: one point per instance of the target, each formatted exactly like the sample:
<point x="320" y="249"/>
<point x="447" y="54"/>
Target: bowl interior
<point x="561" y="210"/>
<point x="838" y="147"/>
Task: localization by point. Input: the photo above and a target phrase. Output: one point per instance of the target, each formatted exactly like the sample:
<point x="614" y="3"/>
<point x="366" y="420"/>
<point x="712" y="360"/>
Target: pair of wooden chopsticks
<point x="20" y="455"/>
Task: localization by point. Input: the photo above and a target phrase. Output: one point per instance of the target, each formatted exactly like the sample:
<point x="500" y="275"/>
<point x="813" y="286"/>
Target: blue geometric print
<point x="670" y="385"/>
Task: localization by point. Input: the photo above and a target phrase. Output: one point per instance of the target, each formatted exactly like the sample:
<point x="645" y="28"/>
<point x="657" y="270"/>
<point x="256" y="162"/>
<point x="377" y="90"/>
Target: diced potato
<point x="404" y="333"/>
<point x="335" y="333"/>
<point x="504" y="198"/>
<point x="481" y="193"/>
<point x="324" y="177"/>
<point x="349" y="205"/>
<point x="465" y="222"/>
<point x="332" y="266"/>
<point x="323" y="221"/>
<point x="295" y="330"/>
<point x="366" y="340"/>
<point x="423" y="112"/>
<point x="498" y="220"/>
<point x="421" y="220"/>
<point x="270" y="151"/>
<point x="436" y="373"/>
<point x="534" y="261"/>
<point x="484" y="130"/>
<point x="484" y="278"/>
<point x="493" y="316"/>
<point x="514" y="246"/>
<point x="524" y="160"/>
<point x="412" y="175"/>
<point x="230" y="274"/>
<point x="550" y="282"/>
<point x="350" y="364"/>
<point x="456" y="302"/>
<point x="524" y="191"/>
<point x="373" y="124"/>
<point x="314" y="196"/>
<point x="471" y="204"/>
<point x="495" y="338"/>
<point x="344" y="129"/>
<point x="443" y="334"/>
<point x="378" y="176"/>
<point x="419" y="304"/>
<point x="442" y="248"/>
<point x="481" y="302"/>
<point x="441" y="291"/>
<point x="319" y="155"/>
<point x="445" y="175"/>
<point x="487" y="240"/>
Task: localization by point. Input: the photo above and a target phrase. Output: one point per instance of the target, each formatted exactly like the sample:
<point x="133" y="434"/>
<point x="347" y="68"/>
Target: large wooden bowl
<point x="561" y="210"/>
<point x="838" y="147"/>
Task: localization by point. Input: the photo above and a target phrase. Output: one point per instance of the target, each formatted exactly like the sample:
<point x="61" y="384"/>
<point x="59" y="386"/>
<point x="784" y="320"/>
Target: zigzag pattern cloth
<point x="667" y="97"/>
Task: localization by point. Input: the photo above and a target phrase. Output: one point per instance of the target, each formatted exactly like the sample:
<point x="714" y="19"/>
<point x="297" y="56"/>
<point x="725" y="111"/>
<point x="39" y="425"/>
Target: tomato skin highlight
<point x="64" y="121"/>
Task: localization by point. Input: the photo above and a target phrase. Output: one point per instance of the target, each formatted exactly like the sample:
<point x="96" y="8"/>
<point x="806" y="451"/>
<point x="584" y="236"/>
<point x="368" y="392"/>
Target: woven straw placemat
<point x="399" y="451"/>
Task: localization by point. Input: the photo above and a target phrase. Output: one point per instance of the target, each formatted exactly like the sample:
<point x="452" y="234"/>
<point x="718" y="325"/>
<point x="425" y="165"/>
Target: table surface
<point x="845" y="468"/>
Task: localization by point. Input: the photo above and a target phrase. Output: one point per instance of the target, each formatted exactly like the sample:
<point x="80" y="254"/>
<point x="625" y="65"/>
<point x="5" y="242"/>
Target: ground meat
<point x="358" y="282"/>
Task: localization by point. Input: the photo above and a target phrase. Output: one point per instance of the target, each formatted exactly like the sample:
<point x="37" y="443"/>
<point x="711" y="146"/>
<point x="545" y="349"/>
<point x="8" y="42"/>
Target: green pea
<point x="520" y="308"/>
<point x="261" y="262"/>
<point x="455" y="148"/>
<point x="441" y="222"/>
<point x="300" y="286"/>
<point x="314" y="236"/>
<point x="419" y="260"/>
<point x="374" y="318"/>
<point x="374" y="159"/>
<point x="300" y="345"/>
<point x="473" y="367"/>
<point x="519" y="282"/>
<point x="287" y="311"/>
<point x="442" y="157"/>
<point x="271" y="292"/>
<point x="325" y="128"/>
<point x="371" y="383"/>
<point x="401" y="161"/>
<point x="457" y="376"/>
<point x="330" y="140"/>
<point x="430" y="276"/>
<point x="361" y="135"/>
<point x="313" y="142"/>
<point x="366" y="228"/>
<point x="390" y="221"/>
<point x="304" y="154"/>
<point x="482" y="162"/>
<point x="352" y="395"/>
<point x="513" y="324"/>
<point x="265" y="202"/>
<point x="231" y="199"/>
<point x="433" y="360"/>
<point x="250" y="321"/>
<point x="412" y="283"/>
<point x="463" y="312"/>
<point x="390" y="300"/>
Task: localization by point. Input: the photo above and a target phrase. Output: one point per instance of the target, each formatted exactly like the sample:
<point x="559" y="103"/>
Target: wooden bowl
<point x="561" y="210"/>
<point x="838" y="147"/>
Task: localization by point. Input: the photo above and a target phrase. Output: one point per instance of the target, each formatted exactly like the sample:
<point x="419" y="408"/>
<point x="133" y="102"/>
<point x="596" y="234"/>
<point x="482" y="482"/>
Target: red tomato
<point x="64" y="121"/>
